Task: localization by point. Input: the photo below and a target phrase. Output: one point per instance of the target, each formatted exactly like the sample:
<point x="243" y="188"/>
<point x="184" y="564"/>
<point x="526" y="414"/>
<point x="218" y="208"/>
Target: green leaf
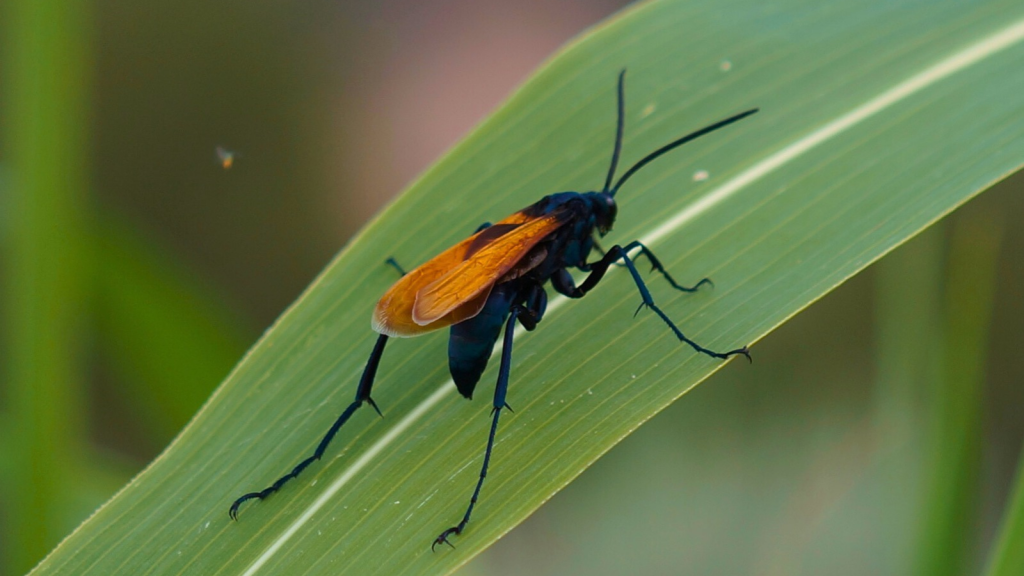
<point x="876" y="120"/>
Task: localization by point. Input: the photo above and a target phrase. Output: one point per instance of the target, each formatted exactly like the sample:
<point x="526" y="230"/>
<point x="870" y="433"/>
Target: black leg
<point x="536" y="304"/>
<point x="562" y="282"/>
<point x="499" y="403"/>
<point x="597" y="247"/>
<point x="362" y="395"/>
<point x="394" y="263"/>
<point x="656" y="265"/>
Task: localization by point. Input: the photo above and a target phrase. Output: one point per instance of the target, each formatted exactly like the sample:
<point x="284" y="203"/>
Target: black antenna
<point x="674" y="144"/>
<point x="618" y="131"/>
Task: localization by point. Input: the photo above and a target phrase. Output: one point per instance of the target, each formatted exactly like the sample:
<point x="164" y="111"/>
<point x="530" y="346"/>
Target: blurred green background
<point x="136" y="270"/>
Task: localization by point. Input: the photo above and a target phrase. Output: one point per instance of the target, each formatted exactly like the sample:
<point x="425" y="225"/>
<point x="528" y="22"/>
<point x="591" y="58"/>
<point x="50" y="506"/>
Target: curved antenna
<point x="676" y="143"/>
<point x="618" y="131"/>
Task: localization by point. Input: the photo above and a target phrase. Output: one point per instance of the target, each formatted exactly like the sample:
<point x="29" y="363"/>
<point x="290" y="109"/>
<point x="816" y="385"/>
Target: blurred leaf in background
<point x="163" y="334"/>
<point x="47" y="259"/>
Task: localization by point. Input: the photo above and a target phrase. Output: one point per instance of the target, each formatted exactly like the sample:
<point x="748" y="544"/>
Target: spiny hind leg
<point x="362" y="395"/>
<point x="394" y="264"/>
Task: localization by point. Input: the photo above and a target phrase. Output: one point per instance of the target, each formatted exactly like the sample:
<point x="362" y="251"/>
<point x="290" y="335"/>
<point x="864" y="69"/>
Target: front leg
<point x="563" y="283"/>
<point x="656" y="265"/>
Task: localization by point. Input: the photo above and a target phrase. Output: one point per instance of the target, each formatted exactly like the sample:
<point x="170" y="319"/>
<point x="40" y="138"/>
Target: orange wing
<point x="454" y="285"/>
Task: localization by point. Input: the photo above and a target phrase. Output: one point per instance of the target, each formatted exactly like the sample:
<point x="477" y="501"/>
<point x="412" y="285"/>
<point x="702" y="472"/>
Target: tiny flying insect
<point x="496" y="278"/>
<point x="226" y="157"/>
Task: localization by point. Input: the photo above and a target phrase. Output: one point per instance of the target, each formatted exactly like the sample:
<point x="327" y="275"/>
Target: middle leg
<point x="499" y="403"/>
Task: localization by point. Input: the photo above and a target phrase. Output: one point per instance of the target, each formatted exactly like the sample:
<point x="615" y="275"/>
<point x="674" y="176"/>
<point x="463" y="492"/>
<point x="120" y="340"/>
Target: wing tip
<point x="380" y="324"/>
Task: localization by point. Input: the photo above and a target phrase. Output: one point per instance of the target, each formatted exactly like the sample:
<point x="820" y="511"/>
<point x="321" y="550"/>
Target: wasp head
<point x="604" y="209"/>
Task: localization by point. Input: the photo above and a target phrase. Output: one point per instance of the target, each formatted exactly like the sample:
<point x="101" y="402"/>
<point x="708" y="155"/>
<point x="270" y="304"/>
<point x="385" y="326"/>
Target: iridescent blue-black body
<point x="472" y="341"/>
